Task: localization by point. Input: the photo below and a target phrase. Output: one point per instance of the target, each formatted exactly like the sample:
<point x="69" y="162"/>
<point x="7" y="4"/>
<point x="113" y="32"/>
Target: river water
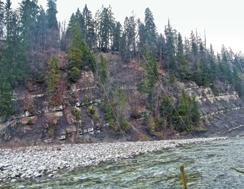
<point x="212" y="165"/>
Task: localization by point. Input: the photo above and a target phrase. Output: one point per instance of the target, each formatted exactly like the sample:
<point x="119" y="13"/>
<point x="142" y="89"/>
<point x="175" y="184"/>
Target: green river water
<point x="208" y="166"/>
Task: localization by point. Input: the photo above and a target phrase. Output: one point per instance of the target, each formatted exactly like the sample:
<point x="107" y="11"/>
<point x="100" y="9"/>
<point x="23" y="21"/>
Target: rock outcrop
<point x="65" y="117"/>
<point x="222" y="113"/>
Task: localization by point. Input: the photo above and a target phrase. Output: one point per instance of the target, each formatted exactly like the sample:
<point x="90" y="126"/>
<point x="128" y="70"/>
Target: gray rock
<point x="34" y="162"/>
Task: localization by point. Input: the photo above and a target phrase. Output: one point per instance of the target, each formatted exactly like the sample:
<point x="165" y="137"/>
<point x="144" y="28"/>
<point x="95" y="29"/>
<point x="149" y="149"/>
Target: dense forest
<point x="31" y="39"/>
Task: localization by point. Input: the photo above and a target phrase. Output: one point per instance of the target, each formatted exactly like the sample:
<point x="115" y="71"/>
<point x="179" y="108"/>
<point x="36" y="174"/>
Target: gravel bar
<point x="46" y="161"/>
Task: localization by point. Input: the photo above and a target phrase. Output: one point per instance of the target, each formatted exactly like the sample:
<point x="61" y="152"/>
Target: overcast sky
<point x="223" y="20"/>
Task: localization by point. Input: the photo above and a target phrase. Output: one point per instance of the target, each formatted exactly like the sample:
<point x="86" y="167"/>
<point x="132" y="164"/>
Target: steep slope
<point x="76" y="114"/>
<point x="222" y="114"/>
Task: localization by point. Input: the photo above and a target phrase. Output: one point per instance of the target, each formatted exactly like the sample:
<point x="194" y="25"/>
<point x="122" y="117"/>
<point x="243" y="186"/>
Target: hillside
<point x="100" y="81"/>
<point x="38" y="120"/>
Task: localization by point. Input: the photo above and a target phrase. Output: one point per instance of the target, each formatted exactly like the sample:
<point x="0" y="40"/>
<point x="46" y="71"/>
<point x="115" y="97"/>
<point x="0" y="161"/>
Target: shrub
<point x="102" y="70"/>
<point x="151" y="124"/>
<point x="91" y="110"/>
<point x="74" y="74"/>
<point x="30" y="121"/>
<point x="6" y="103"/>
<point x="108" y="113"/>
<point x="50" y="130"/>
<point x="40" y="77"/>
<point x="182" y="115"/>
<point x="76" y="113"/>
<point x="53" y="74"/>
<point x="124" y="124"/>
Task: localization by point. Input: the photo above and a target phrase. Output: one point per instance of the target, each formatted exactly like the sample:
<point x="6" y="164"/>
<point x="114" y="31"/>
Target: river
<point x="212" y="165"/>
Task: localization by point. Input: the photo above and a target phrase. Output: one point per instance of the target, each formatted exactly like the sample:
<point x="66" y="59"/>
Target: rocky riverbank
<point x="47" y="161"/>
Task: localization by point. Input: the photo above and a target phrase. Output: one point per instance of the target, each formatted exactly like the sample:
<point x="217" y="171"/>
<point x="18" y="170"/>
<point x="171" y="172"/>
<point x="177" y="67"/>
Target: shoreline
<point x="46" y="161"/>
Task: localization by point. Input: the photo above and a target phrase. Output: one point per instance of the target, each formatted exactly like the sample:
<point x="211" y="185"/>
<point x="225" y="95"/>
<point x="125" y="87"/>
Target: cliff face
<point x="222" y="114"/>
<point x="75" y="113"/>
<point x="38" y="119"/>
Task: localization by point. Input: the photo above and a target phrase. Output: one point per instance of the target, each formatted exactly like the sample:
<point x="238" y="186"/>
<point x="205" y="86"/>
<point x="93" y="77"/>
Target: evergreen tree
<point x="182" y="65"/>
<point x="170" y="48"/>
<point x="102" y="71"/>
<point x="213" y="66"/>
<point x="167" y="111"/>
<point x="76" y="23"/>
<point x="116" y="37"/>
<point x="89" y="28"/>
<point x="51" y="14"/>
<point x="224" y="66"/>
<point x="180" y="47"/>
<point x="142" y="37"/>
<point x="12" y="62"/>
<point x="150" y="30"/>
<point x="194" y="48"/>
<point x="120" y="103"/>
<point x="106" y="25"/>
<point x="6" y="94"/>
<point x="29" y="11"/>
<point x="1" y="19"/>
<point x="42" y="30"/>
<point x="14" y="55"/>
<point x="52" y="25"/>
<point x="53" y="73"/>
<point x="151" y="71"/>
<point x="124" y="51"/>
<point x="204" y="65"/>
<point x="75" y="54"/>
<point x="8" y="15"/>
<point x="161" y="48"/>
<point x="130" y="35"/>
<point x="79" y="55"/>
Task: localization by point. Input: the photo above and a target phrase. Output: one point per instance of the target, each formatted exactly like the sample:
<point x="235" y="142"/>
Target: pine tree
<point x="160" y="48"/>
<point x="151" y="71"/>
<point x="180" y="47"/>
<point x="224" y="67"/>
<point x="52" y="25"/>
<point x="150" y="30"/>
<point x="14" y="55"/>
<point x="170" y="48"/>
<point x="194" y="46"/>
<point x="102" y="71"/>
<point x="106" y="25"/>
<point x="53" y="73"/>
<point x="12" y="62"/>
<point x="130" y="35"/>
<point x="6" y="94"/>
<point x="76" y="23"/>
<point x="89" y="28"/>
<point x="142" y="37"/>
<point x="120" y="103"/>
<point x="123" y="48"/>
<point x="75" y="55"/>
<point x="182" y="66"/>
<point x="212" y="64"/>
<point x="116" y="37"/>
<point x="204" y="65"/>
<point x="167" y="110"/>
<point x="8" y="14"/>
<point x="29" y="11"/>
<point x="79" y="55"/>
<point x="51" y="14"/>
<point x="42" y="30"/>
<point x="1" y="19"/>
